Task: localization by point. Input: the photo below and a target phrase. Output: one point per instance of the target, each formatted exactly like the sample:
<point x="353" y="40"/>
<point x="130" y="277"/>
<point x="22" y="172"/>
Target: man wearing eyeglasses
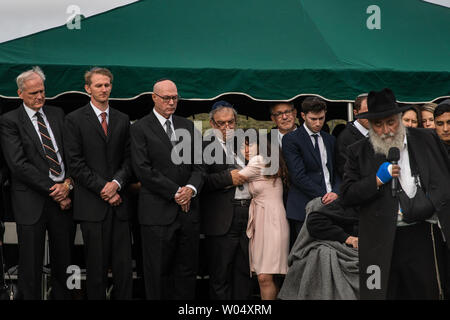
<point x="225" y="203"/>
<point x="168" y="203"/>
<point x="283" y="115"/>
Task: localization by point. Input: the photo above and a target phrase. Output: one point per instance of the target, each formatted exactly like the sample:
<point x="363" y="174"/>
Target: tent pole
<point x="350" y="111"/>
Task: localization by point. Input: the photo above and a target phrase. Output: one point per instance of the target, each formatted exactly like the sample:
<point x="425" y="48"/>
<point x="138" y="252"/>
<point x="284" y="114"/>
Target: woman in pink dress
<point x="268" y="228"/>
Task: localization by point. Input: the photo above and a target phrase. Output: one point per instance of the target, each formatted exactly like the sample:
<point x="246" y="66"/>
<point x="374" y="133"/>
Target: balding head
<point x="165" y="97"/>
<point x="163" y="84"/>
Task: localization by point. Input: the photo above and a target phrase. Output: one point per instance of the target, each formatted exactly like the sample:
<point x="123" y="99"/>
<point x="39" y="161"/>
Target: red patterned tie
<point x="104" y="123"/>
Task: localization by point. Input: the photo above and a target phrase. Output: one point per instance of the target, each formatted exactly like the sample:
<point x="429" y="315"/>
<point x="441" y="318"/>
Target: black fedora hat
<point x="381" y="104"/>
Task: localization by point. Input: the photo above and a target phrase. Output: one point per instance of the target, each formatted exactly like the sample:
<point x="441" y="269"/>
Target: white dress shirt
<point x="323" y="155"/>
<point x="32" y="115"/>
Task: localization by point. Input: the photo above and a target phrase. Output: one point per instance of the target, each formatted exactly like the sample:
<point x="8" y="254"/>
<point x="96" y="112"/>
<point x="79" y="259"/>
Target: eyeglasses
<point x="223" y="124"/>
<point x="280" y="114"/>
<point x="166" y="99"/>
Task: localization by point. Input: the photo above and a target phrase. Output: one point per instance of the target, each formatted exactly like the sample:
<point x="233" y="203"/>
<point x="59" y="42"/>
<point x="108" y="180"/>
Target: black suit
<point x="378" y="231"/>
<point x="224" y="225"/>
<point x="95" y="159"/>
<point x="170" y="237"/>
<point x="34" y="210"/>
<point x="348" y="136"/>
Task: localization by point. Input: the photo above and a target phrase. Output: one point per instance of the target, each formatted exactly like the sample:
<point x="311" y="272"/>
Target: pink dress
<point x="267" y="228"/>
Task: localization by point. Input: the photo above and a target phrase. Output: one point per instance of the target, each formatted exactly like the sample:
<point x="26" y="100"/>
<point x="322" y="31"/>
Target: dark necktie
<point x="104" y="123"/>
<point x="316" y="147"/>
<point x="169" y="131"/>
<point x="49" y="149"/>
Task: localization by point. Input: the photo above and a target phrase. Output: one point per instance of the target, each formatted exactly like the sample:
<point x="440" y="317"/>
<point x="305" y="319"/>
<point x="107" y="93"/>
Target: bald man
<point x="168" y="207"/>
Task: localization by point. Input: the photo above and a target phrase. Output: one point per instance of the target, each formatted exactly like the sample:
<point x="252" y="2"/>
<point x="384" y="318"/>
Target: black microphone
<point x="393" y="157"/>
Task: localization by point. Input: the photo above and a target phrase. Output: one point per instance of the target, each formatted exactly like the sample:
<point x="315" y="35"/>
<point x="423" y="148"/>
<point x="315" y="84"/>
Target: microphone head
<point x="393" y="154"/>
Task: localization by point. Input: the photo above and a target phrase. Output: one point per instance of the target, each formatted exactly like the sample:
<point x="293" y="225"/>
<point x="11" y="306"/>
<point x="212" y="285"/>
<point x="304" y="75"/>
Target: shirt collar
<point x="31" y="113"/>
<point x="361" y="128"/>
<point x="161" y="119"/>
<point x="310" y="133"/>
<point x="97" y="111"/>
<point x="281" y="135"/>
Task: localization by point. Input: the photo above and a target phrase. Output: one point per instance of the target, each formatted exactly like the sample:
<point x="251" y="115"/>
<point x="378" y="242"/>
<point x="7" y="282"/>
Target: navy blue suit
<point x="305" y="170"/>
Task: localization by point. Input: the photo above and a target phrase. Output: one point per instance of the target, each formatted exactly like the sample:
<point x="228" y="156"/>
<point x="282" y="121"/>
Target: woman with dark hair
<point x="268" y="228"/>
<point x="412" y="117"/>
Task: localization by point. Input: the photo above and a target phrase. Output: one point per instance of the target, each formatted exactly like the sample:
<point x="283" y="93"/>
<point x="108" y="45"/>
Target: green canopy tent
<point x="265" y="50"/>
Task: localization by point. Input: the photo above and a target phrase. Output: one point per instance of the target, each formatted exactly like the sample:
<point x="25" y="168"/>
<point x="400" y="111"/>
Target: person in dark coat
<point x="398" y="245"/>
<point x="354" y="131"/>
<point x="334" y="222"/>
<point x="323" y="264"/>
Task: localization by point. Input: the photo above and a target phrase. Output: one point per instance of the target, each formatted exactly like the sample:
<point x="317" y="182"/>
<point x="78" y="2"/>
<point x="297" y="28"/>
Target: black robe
<point x="378" y="214"/>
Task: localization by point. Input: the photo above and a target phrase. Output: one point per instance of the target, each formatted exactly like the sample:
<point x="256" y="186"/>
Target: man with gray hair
<point x="225" y="202"/>
<point x="32" y="144"/>
<point x="399" y="178"/>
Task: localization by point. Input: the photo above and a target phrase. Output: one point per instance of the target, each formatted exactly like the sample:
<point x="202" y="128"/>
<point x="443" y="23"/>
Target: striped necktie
<point x="49" y="148"/>
<point x="169" y="132"/>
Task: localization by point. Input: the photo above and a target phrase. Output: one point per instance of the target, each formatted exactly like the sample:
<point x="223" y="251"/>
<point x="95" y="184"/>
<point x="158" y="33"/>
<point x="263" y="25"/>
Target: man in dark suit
<point x="225" y="203"/>
<point x="31" y="138"/>
<point x="400" y="247"/>
<point x="354" y="131"/>
<point x="168" y="202"/>
<point x="98" y="152"/>
<point x="310" y="157"/>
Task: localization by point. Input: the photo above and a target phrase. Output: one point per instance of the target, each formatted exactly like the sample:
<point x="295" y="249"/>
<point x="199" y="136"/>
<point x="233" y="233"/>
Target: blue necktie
<point x="316" y="147"/>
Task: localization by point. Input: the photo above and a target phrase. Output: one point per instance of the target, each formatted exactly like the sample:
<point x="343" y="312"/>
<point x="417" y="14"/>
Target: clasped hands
<point x="183" y="198"/>
<point x="60" y="193"/>
<point x="109" y="194"/>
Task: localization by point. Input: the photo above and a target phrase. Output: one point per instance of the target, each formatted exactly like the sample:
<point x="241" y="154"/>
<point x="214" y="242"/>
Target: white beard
<point x="381" y="144"/>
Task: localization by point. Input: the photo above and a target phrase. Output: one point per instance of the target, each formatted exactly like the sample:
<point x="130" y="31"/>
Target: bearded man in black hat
<point x="404" y="204"/>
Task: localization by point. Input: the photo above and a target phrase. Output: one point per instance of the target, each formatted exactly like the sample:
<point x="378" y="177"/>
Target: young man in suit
<point x="168" y="202"/>
<point x="98" y="151"/>
<point x="354" y="131"/>
<point x="32" y="144"/>
<point x="310" y="157"/>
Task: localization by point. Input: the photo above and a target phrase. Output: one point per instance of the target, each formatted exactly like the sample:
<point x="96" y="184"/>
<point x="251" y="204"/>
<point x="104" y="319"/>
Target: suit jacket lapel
<point x="92" y="118"/>
<point x="155" y="125"/>
<point x="309" y="143"/>
<point x="329" y="155"/>
<point x="414" y="147"/>
<point x="112" y="124"/>
<point x="31" y="131"/>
